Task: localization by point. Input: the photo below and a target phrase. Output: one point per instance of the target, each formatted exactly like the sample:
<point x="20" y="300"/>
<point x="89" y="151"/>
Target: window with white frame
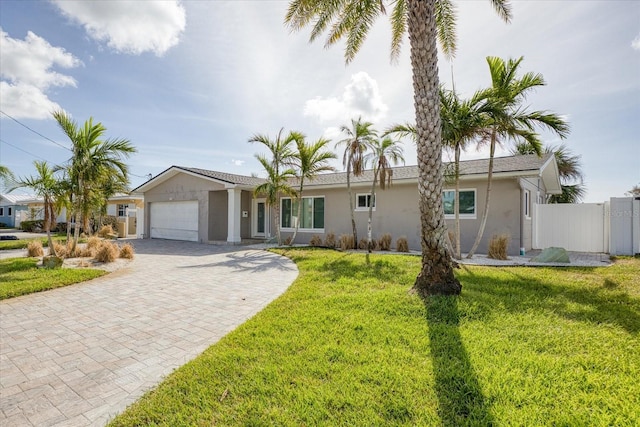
<point x="527" y="203"/>
<point x="122" y="210"/>
<point x="363" y="201"/>
<point x="311" y="213"/>
<point x="467" y="203"/>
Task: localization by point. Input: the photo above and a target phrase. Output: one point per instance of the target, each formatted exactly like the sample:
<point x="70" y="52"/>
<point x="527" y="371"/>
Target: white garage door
<point x="174" y="220"/>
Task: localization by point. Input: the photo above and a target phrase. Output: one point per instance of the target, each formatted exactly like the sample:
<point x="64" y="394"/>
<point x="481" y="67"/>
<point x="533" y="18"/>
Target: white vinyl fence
<point x="580" y="227"/>
<point x="610" y="227"/>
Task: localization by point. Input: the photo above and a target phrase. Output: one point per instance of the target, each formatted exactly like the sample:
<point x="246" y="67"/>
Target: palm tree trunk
<point x="277" y="209"/>
<point x="373" y="190"/>
<point x="485" y="213"/>
<point x="436" y="276"/>
<point x="295" y="231"/>
<point x="353" y="219"/>
<point x="76" y="229"/>
<point x="456" y="202"/>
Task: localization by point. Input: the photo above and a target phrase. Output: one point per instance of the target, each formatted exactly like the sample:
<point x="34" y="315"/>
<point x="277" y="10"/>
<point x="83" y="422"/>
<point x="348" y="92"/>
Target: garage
<point x="174" y="220"/>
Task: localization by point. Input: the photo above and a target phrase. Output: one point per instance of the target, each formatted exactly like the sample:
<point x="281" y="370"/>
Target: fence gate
<point x="580" y="227"/>
<point x="625" y="226"/>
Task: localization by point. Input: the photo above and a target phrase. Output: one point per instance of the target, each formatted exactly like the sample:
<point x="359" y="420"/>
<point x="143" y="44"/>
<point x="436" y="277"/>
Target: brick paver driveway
<point x="79" y="355"/>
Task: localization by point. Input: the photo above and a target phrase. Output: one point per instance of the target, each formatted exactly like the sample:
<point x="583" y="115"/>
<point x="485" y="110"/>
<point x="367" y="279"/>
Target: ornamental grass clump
<point x="126" y="251"/>
<point x="62" y="251"/>
<point x="34" y="248"/>
<point x="93" y="243"/>
<point x="385" y="242"/>
<point x="362" y="244"/>
<point x="107" y="252"/>
<point x="330" y="240"/>
<point x="106" y="231"/>
<point x="315" y="240"/>
<point x="402" y="245"/>
<point x="347" y="242"/>
<point x="498" y="246"/>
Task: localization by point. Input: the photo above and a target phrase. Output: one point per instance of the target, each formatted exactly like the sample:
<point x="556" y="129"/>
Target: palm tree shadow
<point x="460" y="398"/>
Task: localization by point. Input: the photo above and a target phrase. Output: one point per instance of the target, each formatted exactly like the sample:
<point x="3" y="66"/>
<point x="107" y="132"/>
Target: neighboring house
<point x="121" y="206"/>
<point x="200" y="205"/>
<point x="11" y="208"/>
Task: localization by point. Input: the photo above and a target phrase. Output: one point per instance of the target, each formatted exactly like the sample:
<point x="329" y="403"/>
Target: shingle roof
<point x="225" y="177"/>
<point x="518" y="163"/>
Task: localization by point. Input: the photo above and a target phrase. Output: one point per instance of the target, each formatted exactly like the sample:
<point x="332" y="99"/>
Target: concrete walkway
<point x="79" y="355"/>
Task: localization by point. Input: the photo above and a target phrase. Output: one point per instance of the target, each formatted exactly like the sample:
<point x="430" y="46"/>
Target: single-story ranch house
<point x="199" y="205"/>
<point x="11" y="206"/>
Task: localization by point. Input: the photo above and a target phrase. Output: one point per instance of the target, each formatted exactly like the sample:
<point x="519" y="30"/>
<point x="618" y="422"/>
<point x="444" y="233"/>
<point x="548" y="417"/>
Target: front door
<point x="260" y="220"/>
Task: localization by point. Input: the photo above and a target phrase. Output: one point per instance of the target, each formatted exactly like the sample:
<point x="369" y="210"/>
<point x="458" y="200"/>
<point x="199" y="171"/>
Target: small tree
<point x="310" y="160"/>
<point x="383" y="152"/>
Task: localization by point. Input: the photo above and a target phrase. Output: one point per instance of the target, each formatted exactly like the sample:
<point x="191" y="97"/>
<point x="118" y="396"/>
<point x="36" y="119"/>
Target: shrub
<point x="347" y="242"/>
<point x="93" y="242"/>
<point x="34" y="248"/>
<point x="126" y="251"/>
<point x="107" y="252"/>
<point x="385" y="242"/>
<point x="315" y="240"/>
<point x="402" y="245"/>
<point x="106" y="231"/>
<point x="330" y="240"/>
<point x="86" y="252"/>
<point x="498" y="246"/>
<point x="61" y="227"/>
<point x="31" y="226"/>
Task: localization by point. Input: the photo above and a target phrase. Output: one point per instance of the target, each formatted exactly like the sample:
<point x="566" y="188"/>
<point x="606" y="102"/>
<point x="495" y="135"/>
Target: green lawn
<point x="20" y="276"/>
<point x="348" y="345"/>
<point x="22" y="243"/>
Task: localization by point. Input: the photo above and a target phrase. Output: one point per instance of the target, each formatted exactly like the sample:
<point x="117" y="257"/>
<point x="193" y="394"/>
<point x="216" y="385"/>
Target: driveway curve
<point x="79" y="355"/>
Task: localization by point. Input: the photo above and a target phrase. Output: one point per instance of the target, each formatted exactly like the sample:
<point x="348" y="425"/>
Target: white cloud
<point x="237" y="162"/>
<point x="26" y="69"/>
<point x="129" y="26"/>
<point x="361" y="97"/>
<point x="635" y="44"/>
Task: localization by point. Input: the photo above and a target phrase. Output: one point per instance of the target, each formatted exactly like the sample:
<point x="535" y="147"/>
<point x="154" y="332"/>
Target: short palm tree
<point x="510" y="119"/>
<point x="359" y="137"/>
<point x="92" y="159"/>
<point x="276" y="184"/>
<point x="46" y="185"/>
<point x="425" y="22"/>
<point x="310" y="160"/>
<point x="462" y="122"/>
<point x="383" y="152"/>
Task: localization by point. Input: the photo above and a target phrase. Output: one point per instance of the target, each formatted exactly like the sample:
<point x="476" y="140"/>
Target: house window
<point x="467" y="203"/>
<point x="311" y="214"/>
<point x="9" y="211"/>
<point x="527" y="203"/>
<point x="363" y="201"/>
<point x="122" y="210"/>
<point x="1" y="211"/>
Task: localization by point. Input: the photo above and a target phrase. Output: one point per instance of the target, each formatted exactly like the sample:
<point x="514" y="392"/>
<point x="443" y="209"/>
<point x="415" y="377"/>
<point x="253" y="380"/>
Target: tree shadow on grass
<point x="460" y="398"/>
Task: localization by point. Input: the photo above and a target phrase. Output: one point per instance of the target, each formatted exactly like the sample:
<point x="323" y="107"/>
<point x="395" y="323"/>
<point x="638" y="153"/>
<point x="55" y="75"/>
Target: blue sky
<point x="190" y="82"/>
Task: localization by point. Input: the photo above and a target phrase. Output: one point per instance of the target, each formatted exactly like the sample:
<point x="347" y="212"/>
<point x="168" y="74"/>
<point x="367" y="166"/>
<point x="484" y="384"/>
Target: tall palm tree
<point x="383" y="153"/>
<point x="359" y="136"/>
<point x="310" y="160"/>
<point x="510" y="119"/>
<point x="276" y="184"/>
<point x="424" y="21"/>
<point x="6" y="176"/>
<point x="462" y="122"/>
<point x="92" y="159"/>
<point x="46" y="185"/>
<point x="569" y="170"/>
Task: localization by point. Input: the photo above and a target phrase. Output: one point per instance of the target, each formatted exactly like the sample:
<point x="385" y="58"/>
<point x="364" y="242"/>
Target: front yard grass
<point x="20" y="276"/>
<point x="347" y="344"/>
<point x="22" y="243"/>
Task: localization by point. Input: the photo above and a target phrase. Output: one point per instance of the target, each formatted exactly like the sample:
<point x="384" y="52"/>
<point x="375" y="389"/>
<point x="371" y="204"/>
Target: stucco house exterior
<point x="206" y="206"/>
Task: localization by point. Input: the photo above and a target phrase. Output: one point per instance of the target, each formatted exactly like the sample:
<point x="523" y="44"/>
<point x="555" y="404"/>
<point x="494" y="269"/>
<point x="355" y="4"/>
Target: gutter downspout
<point x="522" y="201"/>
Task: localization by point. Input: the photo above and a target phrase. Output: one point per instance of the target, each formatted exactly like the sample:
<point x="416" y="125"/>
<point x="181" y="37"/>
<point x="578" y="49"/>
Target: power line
<point x="24" y="151"/>
<point x="36" y="132"/>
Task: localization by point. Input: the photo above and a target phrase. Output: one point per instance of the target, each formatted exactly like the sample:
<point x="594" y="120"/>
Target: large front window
<point x="311" y="214"/>
<point x="467" y="203"/>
